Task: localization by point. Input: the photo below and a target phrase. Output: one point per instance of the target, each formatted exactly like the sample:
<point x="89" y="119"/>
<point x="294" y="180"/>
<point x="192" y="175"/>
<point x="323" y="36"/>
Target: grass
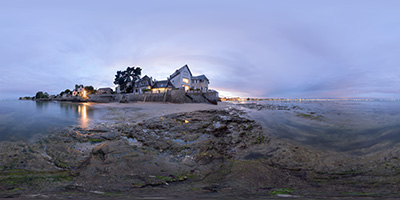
<point x="60" y="163"/>
<point x="20" y="177"/>
<point x="282" y="191"/>
<point x="259" y="140"/>
<point x="93" y="140"/>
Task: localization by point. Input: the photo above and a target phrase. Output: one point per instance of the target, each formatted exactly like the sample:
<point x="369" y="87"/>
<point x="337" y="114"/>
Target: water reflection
<point x="41" y="105"/>
<point x="82" y="110"/>
<point x="24" y="120"/>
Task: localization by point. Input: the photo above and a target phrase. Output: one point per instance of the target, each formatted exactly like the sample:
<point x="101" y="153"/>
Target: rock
<point x="210" y="151"/>
<point x="124" y="99"/>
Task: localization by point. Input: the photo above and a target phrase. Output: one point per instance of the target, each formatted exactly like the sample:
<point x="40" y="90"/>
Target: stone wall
<point x="201" y="97"/>
<point x="103" y="98"/>
<point x="172" y="96"/>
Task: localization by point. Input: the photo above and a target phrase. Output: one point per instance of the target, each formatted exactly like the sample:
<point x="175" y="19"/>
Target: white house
<point x="182" y="78"/>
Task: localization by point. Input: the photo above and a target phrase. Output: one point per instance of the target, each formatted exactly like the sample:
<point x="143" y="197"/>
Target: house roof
<point x="178" y="71"/>
<point x="162" y="84"/>
<point x="145" y="79"/>
<point x="105" y="89"/>
<point x="201" y="77"/>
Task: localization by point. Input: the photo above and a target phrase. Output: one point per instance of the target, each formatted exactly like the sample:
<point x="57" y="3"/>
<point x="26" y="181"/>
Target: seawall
<point x="171" y="96"/>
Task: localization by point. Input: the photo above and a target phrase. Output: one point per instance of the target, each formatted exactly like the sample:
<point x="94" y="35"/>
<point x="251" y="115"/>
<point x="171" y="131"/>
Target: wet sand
<point x="139" y="111"/>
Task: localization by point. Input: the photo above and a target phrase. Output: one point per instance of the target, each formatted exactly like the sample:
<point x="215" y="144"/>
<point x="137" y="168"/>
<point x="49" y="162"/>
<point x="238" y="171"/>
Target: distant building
<point x="78" y="91"/>
<point x="104" y="91"/>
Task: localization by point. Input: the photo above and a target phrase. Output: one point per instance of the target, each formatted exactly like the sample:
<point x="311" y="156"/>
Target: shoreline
<point x="187" y="149"/>
<point x="171" y="96"/>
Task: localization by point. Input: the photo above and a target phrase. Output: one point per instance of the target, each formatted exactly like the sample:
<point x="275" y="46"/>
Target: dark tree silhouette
<point x="41" y="95"/>
<point x="90" y="89"/>
<point x="126" y="79"/>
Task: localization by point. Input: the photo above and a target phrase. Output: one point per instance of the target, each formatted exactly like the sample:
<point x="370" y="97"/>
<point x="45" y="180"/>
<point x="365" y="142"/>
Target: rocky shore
<point x="207" y="154"/>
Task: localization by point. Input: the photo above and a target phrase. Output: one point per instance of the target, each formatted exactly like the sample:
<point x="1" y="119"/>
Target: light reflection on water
<point x="27" y="120"/>
<point x="84" y="120"/>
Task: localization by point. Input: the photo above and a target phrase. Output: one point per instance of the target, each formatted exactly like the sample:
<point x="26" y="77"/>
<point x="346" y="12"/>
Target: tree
<point x="41" y="95"/>
<point x="126" y="79"/>
<point x="67" y="91"/>
<point x="78" y="86"/>
<point x="90" y="89"/>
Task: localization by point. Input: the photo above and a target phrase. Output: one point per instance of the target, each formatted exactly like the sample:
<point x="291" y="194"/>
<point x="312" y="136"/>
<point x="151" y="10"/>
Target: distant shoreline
<point x="172" y="96"/>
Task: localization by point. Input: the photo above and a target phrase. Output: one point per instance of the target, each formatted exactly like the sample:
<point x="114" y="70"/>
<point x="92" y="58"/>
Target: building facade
<point x="104" y="91"/>
<point x="78" y="91"/>
<point x="200" y="83"/>
<point x="182" y="78"/>
<point x="143" y="85"/>
<point x="162" y="86"/>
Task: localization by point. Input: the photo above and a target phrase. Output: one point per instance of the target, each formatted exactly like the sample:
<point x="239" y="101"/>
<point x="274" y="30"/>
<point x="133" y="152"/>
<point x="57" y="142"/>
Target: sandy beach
<point x="139" y="111"/>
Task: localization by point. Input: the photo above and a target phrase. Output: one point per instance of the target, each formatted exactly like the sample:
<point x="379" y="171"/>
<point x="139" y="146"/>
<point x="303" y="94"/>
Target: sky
<point x="252" y="48"/>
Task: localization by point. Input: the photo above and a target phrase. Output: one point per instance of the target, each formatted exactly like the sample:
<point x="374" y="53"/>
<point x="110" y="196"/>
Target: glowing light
<point x="186" y="87"/>
<point x="84" y="94"/>
<point x="159" y="90"/>
<point x="185" y="80"/>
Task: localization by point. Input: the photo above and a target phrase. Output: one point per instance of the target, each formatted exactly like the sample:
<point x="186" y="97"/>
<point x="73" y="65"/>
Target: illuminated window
<point x="186" y="87"/>
<point x="185" y="80"/>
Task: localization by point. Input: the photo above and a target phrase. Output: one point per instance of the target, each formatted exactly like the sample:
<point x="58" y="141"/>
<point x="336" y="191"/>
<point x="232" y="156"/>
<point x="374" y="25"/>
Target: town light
<point x="84" y="95"/>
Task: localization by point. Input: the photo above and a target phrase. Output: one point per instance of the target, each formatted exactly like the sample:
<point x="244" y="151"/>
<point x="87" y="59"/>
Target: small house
<point x="162" y="86"/>
<point x="104" y="91"/>
<point x="142" y="85"/>
<point x="78" y="91"/>
<point x="200" y="83"/>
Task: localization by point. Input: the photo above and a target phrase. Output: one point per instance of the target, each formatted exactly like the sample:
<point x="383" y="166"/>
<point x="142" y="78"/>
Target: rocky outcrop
<point x="217" y="152"/>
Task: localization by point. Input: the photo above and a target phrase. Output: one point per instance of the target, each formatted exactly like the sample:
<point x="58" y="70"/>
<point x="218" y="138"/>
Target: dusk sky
<point x="285" y="48"/>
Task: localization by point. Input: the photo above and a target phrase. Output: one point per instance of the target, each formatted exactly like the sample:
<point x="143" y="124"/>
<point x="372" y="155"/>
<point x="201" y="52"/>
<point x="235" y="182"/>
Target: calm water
<point x="334" y="125"/>
<point x="27" y="120"/>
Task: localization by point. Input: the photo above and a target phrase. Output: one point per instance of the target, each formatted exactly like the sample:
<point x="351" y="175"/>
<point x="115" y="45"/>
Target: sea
<point x="337" y="125"/>
<point x="30" y="120"/>
<point x="354" y="126"/>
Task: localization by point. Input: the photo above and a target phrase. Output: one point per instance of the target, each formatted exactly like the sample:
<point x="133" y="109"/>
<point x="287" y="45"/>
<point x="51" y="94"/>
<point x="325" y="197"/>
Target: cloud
<point x="257" y="48"/>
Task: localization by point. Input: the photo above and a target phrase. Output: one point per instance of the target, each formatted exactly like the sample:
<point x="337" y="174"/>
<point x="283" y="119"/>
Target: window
<point x="186" y="87"/>
<point x="185" y="80"/>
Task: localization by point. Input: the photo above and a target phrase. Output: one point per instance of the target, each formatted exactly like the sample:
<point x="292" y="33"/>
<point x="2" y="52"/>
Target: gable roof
<point x="145" y="79"/>
<point x="201" y="77"/>
<point x="178" y="71"/>
<point x="105" y="89"/>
